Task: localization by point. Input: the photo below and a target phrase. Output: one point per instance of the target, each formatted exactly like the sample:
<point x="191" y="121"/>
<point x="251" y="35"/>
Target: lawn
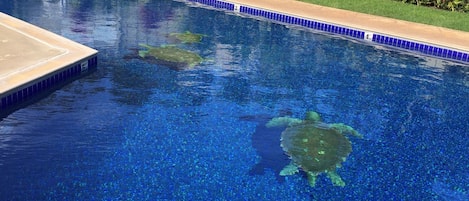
<point x="402" y="11"/>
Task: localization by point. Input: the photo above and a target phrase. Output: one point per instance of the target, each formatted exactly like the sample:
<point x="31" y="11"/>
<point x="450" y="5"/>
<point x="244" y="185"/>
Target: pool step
<point x="34" y="60"/>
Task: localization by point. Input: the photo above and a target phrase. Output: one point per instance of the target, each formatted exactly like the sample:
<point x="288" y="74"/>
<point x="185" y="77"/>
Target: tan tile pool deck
<point x="457" y="40"/>
<point x="29" y="54"/>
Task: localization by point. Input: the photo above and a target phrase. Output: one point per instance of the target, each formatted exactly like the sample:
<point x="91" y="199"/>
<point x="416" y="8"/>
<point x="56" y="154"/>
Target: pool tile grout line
<point x="374" y="37"/>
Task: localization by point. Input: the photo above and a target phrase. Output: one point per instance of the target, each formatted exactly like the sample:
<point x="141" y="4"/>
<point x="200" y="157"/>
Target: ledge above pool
<point x="419" y="38"/>
<point x="34" y="61"/>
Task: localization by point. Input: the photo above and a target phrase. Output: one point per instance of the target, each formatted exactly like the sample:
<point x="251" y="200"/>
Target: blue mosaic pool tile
<point x="435" y="51"/>
<point x="439" y="52"/>
<point x="430" y="50"/>
<point x="449" y="54"/>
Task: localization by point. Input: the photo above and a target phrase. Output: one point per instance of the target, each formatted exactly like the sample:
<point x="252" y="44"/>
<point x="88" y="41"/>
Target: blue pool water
<point x="135" y="130"/>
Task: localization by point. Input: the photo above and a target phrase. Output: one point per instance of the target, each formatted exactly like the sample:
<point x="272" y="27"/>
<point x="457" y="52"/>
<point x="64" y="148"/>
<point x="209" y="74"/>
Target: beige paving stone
<point x="20" y="52"/>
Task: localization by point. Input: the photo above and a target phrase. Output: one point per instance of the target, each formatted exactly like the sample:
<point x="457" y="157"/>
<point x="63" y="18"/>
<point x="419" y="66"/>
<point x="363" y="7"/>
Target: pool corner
<point x="34" y="60"/>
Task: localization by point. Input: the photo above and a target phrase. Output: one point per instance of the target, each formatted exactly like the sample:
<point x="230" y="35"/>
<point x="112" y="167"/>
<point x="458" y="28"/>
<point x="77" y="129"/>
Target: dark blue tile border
<point x="34" y="88"/>
<point x="317" y="25"/>
<point x="426" y="49"/>
<point x="423" y="48"/>
<point x="216" y="4"/>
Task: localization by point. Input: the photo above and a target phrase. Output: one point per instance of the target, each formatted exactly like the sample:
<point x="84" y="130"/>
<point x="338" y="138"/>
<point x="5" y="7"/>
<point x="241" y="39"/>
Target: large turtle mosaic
<point x="314" y="146"/>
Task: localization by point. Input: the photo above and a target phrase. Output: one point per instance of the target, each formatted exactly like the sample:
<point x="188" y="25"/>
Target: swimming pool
<point x="135" y="130"/>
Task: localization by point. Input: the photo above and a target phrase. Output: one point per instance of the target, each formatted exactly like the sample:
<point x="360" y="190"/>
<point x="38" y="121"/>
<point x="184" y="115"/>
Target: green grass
<point x="402" y="11"/>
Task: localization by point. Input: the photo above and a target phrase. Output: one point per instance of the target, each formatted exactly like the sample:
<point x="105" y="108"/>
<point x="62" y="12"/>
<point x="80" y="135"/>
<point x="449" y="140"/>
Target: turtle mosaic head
<point x="312" y="116"/>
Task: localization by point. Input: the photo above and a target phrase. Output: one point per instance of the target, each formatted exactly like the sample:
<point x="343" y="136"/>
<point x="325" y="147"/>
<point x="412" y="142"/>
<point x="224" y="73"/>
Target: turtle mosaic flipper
<point x="335" y="178"/>
<point x="346" y="129"/>
<point x="311" y="116"/>
<point x="290" y="169"/>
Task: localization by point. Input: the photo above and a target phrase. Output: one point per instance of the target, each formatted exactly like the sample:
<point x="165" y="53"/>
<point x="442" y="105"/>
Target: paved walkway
<point x="418" y="32"/>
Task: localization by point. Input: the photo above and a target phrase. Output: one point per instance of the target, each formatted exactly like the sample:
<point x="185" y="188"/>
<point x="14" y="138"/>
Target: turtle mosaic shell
<point x="187" y="37"/>
<point x="315" y="148"/>
<point x="172" y="56"/>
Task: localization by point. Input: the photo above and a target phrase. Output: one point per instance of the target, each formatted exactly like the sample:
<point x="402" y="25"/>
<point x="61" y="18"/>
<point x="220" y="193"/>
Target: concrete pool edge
<point x="424" y="39"/>
<point x="21" y="83"/>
